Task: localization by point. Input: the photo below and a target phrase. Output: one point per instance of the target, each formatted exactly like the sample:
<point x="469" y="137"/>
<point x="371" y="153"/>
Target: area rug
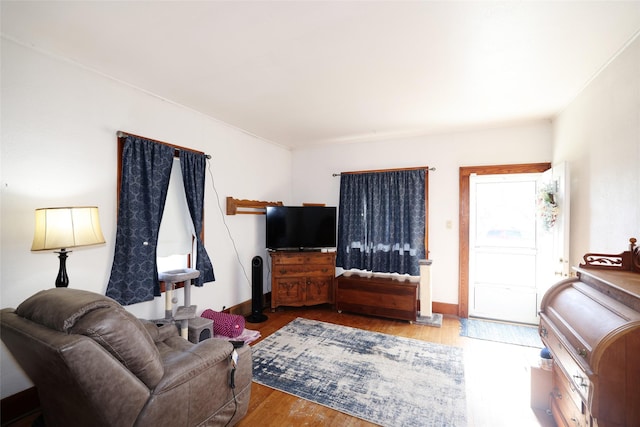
<point x="383" y="379"/>
<point x="500" y="332"/>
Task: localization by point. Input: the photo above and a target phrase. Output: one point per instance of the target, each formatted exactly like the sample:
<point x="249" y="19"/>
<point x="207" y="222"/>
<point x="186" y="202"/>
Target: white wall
<point x="59" y="124"/>
<point x="313" y="181"/>
<point x="599" y="136"/>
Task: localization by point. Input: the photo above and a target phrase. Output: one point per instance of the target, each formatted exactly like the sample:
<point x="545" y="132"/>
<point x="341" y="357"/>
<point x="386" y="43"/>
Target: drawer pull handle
<point x="556" y="393"/>
<point x="582" y="352"/>
<point x="544" y="332"/>
<point x="580" y="380"/>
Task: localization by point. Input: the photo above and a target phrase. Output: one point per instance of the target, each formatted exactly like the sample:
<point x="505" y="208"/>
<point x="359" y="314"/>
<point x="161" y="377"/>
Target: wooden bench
<point x="377" y="296"/>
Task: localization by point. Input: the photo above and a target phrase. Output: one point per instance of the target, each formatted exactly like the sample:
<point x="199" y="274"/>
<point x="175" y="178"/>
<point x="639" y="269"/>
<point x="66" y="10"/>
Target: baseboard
<point x="245" y="308"/>
<point x="445" y="308"/>
<point x="19" y="405"/>
<point x="442" y="308"/>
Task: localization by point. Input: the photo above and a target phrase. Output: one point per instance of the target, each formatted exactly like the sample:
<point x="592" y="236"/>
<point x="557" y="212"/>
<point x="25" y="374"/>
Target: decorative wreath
<point x="547" y="206"/>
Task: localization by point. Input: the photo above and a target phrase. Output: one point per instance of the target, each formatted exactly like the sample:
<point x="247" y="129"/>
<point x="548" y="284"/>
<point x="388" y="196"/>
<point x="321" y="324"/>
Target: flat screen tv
<point x="301" y="227"/>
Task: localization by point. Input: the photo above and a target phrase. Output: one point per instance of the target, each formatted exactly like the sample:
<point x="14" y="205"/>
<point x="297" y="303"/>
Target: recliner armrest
<point x="159" y="332"/>
<point x="196" y="384"/>
<point x="184" y="360"/>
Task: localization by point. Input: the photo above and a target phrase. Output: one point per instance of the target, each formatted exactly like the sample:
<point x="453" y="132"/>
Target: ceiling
<point x="304" y="73"/>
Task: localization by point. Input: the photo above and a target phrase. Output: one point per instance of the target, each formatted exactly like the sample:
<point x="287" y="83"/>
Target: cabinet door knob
<point x="582" y="352"/>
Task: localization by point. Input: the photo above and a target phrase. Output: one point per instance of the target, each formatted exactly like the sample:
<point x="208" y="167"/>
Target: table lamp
<point x="63" y="228"/>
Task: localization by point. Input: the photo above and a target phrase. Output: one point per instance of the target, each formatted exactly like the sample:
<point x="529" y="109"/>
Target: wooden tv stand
<point x="377" y="296"/>
<point x="300" y="278"/>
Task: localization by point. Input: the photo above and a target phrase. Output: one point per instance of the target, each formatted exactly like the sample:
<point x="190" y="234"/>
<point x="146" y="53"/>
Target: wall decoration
<point x="547" y="203"/>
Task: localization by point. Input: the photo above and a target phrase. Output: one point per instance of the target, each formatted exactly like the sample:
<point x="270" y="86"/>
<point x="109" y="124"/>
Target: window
<point x="382" y="221"/>
<point x="143" y="181"/>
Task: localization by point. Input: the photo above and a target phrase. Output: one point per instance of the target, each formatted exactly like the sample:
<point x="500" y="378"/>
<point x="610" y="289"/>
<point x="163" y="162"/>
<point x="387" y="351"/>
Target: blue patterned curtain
<point x="193" y="169"/>
<point x="381" y="223"/>
<point x="146" y="169"/>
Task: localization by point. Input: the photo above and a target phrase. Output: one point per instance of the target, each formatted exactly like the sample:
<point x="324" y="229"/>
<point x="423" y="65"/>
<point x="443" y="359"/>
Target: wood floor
<point x="497" y="376"/>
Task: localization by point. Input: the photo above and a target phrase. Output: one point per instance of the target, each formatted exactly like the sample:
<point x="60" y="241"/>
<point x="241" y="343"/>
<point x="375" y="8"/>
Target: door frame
<point x="463" y="247"/>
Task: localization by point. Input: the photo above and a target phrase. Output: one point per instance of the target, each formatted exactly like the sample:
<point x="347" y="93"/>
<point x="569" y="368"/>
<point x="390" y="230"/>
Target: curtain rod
<point x="432" y="169"/>
<point x="122" y="134"/>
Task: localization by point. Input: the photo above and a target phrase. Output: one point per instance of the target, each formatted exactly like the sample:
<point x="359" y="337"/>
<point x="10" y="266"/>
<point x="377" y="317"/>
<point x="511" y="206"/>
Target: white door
<point x="560" y="176"/>
<point x="553" y="217"/>
<point x="504" y="247"/>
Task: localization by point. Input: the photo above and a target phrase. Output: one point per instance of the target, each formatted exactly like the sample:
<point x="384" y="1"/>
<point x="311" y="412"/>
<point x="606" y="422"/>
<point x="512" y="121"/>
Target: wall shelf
<point x="248" y="207"/>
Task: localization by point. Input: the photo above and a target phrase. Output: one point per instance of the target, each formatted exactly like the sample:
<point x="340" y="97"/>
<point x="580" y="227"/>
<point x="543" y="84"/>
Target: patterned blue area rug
<point x="384" y="379"/>
<point x="500" y="332"/>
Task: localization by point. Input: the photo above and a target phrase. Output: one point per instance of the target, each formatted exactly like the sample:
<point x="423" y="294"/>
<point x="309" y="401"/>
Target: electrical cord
<point x="235" y="407"/>
<point x="232" y="385"/>
<point x="233" y="243"/>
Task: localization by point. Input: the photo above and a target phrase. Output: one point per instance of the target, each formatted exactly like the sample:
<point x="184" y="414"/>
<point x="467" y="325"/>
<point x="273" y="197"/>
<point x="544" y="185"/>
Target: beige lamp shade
<point x="58" y="228"/>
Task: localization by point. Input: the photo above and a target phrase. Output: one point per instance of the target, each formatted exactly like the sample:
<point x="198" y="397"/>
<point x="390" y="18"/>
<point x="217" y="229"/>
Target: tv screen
<point x="301" y="227"/>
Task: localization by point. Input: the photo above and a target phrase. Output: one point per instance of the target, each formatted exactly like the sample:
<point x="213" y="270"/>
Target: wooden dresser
<point x="302" y="278"/>
<point x="591" y="325"/>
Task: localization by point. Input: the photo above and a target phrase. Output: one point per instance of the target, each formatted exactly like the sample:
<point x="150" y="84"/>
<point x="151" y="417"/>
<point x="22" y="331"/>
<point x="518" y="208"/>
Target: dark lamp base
<point x="62" y="281"/>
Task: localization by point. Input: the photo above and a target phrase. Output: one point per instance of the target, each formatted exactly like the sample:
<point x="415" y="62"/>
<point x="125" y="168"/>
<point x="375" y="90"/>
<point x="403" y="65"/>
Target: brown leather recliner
<point x="95" y="364"/>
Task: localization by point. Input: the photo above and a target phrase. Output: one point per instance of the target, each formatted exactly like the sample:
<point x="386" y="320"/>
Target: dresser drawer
<point x="301" y="258"/>
<point x="291" y="270"/>
<point x="566" y="406"/>
<point x="565" y="359"/>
